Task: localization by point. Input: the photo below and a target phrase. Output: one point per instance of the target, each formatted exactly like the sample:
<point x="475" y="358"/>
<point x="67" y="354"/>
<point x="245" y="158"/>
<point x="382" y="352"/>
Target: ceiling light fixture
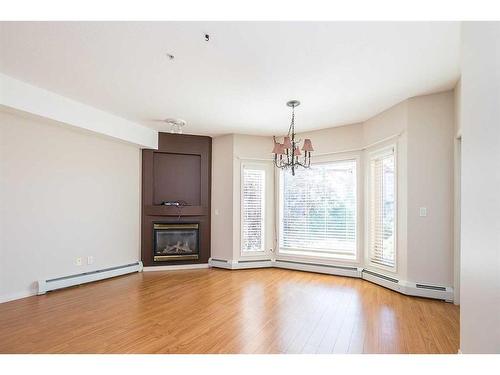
<point x="286" y="154"/>
<point x="176" y="125"/>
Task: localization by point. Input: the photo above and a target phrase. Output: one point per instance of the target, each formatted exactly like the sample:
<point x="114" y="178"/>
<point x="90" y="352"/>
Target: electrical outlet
<point x="78" y="261"/>
<point x="90" y="259"/>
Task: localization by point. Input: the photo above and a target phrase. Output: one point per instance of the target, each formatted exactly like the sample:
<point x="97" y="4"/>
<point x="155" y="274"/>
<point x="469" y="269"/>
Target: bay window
<point x="318" y="210"/>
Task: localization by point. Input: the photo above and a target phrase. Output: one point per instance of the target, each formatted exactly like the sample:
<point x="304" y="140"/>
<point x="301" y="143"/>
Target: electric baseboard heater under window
<point x="45" y="286"/>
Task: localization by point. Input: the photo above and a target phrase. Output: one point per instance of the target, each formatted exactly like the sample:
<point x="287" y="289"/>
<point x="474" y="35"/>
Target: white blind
<point x="382" y="210"/>
<point x="318" y="209"/>
<point x="253" y="209"/>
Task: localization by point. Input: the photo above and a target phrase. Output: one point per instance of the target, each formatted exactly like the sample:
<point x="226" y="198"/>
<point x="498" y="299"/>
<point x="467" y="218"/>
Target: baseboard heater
<point x="319" y="268"/>
<point x="380" y="276"/>
<point x="240" y="264"/>
<point x="219" y="260"/>
<point x="383" y="280"/>
<point x="401" y="286"/>
<point x="45" y="286"/>
<point x="317" y="265"/>
<point x="431" y="287"/>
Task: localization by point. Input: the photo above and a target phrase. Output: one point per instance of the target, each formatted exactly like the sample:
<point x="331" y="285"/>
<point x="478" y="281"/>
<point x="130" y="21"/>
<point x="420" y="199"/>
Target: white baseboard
<point x="419" y="290"/>
<point x="17" y="295"/>
<point x="175" y="267"/>
<point x="410" y="288"/>
<point x="240" y="265"/>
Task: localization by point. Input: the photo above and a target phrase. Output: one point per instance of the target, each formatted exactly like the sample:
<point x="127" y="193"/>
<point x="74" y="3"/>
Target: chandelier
<point x="287" y="155"/>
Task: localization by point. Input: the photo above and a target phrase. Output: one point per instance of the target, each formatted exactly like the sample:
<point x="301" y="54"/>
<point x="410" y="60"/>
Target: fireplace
<point x="175" y="242"/>
<point x="179" y="170"/>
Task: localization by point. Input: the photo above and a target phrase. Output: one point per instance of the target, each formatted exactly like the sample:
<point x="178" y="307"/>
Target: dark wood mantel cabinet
<point x="180" y="170"/>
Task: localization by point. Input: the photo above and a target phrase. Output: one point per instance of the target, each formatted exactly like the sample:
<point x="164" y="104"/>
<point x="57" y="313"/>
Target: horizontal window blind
<point x="382" y="210"/>
<point x="318" y="209"/>
<point x="253" y="209"/>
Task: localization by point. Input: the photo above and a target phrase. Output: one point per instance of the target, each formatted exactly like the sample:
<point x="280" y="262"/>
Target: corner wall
<point x="63" y="194"/>
<point x="430" y="185"/>
<point x="222" y="197"/>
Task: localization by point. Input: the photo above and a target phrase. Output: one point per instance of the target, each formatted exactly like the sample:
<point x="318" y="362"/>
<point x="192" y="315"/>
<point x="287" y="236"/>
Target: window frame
<point x="377" y="153"/>
<point x="310" y="255"/>
<point x="261" y="166"/>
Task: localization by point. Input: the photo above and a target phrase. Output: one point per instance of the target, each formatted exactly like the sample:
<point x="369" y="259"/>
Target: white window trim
<point x="333" y="257"/>
<point x="382" y="151"/>
<point x="264" y="166"/>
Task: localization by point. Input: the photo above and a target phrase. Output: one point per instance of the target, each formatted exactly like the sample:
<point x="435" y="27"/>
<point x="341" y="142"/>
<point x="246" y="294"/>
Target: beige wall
<point x="480" y="240"/>
<point x="63" y="195"/>
<point x="338" y="139"/>
<point x="421" y="128"/>
<point x="386" y="124"/>
<point x="222" y="197"/>
<point x="458" y="108"/>
<point x="430" y="185"/>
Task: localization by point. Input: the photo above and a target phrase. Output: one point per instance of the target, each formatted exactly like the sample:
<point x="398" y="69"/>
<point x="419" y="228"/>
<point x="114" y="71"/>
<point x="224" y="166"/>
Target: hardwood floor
<point x="221" y="311"/>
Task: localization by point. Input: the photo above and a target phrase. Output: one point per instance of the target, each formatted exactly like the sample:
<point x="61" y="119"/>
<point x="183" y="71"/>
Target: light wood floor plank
<point x="221" y="311"/>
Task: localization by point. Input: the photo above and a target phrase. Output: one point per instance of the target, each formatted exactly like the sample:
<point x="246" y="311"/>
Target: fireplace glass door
<point x="175" y="242"/>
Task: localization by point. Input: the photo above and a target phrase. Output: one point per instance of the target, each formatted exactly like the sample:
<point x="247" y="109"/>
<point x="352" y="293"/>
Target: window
<point x="253" y="209"/>
<point x="382" y="209"/>
<point x="318" y="210"/>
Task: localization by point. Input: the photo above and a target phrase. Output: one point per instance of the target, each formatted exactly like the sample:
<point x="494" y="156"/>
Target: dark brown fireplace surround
<point x="179" y="171"/>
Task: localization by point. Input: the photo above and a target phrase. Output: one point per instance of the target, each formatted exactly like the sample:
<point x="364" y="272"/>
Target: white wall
<point x="480" y="213"/>
<point x="63" y="195"/>
<point x="457" y="176"/>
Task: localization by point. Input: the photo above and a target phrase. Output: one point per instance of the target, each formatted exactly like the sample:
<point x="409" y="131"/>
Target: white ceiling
<point x="239" y="81"/>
